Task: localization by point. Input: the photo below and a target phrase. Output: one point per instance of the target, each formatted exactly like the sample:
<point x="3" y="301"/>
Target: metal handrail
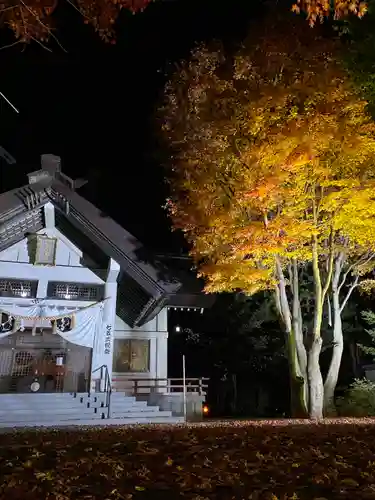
<point x="107" y="386"/>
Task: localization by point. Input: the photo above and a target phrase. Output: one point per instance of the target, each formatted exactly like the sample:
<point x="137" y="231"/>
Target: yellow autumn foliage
<point x="270" y="148"/>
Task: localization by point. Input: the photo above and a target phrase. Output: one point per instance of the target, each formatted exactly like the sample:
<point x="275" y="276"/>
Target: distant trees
<point x="272" y="170"/>
<point x="238" y="344"/>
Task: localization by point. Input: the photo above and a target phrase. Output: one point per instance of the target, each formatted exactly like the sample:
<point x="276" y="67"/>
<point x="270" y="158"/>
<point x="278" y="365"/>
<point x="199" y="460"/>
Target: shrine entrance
<point x="35" y="362"/>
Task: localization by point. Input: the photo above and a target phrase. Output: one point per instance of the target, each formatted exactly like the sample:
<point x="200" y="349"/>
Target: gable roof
<point x="146" y="284"/>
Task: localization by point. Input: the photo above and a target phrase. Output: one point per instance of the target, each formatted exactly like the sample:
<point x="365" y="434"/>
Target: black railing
<point x="104" y="386"/>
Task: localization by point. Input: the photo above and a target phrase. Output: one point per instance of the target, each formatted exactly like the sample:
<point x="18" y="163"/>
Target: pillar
<point x="103" y="350"/>
<point x="162" y="348"/>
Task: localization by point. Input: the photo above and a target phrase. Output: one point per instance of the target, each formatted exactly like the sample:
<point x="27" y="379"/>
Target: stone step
<point x="104" y="398"/>
<point x="114" y="404"/>
<point x="94" y="423"/>
<point x="46" y="411"/>
<point x="39" y="395"/>
<point x="38" y="416"/>
<point x="41" y="404"/>
<point x="62" y="409"/>
<point x="147" y="409"/>
<point x="121" y="395"/>
<point x="126" y="404"/>
<point x="141" y="414"/>
<point x="48" y="417"/>
<point x="50" y="404"/>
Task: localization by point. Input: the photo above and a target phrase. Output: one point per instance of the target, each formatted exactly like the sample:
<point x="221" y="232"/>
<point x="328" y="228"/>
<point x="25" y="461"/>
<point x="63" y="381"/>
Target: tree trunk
<point x="297" y="322"/>
<point x="298" y="404"/>
<point x="334" y="367"/>
<point x="297" y="383"/>
<point x="316" y="390"/>
<point x="338" y="341"/>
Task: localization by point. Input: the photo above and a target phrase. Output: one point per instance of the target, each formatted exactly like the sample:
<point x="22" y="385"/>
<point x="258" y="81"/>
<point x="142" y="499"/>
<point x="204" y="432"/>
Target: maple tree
<point x="32" y="20"/>
<point x="318" y="10"/>
<point x="272" y="170"/>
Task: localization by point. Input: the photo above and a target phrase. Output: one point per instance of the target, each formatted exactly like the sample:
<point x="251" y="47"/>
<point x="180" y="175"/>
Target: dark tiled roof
<point x="146" y="284"/>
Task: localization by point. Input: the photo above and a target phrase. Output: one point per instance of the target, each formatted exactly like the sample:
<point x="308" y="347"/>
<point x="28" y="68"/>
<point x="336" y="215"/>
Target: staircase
<point x="63" y="409"/>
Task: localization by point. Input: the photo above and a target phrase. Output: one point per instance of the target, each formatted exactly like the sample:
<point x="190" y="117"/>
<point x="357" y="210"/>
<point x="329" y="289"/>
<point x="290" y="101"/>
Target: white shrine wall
<point x="15" y="264"/>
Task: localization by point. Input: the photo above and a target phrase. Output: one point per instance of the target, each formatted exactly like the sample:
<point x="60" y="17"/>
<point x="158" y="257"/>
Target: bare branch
<point x="330" y="267"/>
<point x="350" y="291"/>
<point x="78" y="10"/>
<point x="329" y="311"/>
<point x="8" y="8"/>
<point x="355" y="264"/>
<point x="286" y="315"/>
<point x="278" y="302"/>
<point x="290" y="272"/>
<point x="11" y="44"/>
<point x="49" y="31"/>
<point x="297" y="320"/>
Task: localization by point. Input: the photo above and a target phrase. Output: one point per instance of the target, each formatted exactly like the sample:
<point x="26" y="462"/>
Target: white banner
<point x="79" y="326"/>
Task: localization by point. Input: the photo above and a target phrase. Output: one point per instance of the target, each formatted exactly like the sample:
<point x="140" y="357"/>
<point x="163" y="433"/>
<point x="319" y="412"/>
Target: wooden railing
<point x="167" y="385"/>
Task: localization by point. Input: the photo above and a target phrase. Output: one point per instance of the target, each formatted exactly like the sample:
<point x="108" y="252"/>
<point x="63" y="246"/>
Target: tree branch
<point x="49" y="31"/>
<point x="330" y="267"/>
<point x="78" y="10"/>
<point x="283" y="297"/>
<point x="297" y="320"/>
<point x="355" y="264"/>
<point x="329" y="311"/>
<point x="278" y="302"/>
<point x="350" y="291"/>
<point x="317" y="280"/>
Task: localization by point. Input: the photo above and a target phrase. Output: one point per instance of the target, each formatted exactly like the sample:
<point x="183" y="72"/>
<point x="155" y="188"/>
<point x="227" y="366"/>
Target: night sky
<point x="93" y="104"/>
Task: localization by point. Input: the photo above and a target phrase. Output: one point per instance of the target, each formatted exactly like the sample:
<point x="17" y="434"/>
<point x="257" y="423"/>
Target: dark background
<point x="93" y="105"/>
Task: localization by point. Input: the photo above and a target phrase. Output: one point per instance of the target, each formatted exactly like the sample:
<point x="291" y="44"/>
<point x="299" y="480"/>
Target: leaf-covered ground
<point x="278" y="460"/>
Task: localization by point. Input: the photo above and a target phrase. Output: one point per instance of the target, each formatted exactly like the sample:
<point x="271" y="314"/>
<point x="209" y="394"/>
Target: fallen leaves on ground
<point x="254" y="460"/>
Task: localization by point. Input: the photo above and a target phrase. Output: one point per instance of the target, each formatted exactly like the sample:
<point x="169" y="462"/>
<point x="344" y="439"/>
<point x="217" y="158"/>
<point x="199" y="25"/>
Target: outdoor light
<point x="177" y="329"/>
<point x="205" y="410"/>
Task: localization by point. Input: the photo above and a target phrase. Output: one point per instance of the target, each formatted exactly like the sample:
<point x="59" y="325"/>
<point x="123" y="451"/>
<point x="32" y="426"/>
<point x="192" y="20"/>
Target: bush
<point x="359" y="400"/>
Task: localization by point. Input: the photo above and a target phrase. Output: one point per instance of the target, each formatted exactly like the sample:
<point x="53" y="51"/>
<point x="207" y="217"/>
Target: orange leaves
<point x="31" y="19"/>
<point x="259" y="459"/>
<point x="318" y="10"/>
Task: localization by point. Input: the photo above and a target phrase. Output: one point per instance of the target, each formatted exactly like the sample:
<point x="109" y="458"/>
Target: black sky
<point x="93" y="104"/>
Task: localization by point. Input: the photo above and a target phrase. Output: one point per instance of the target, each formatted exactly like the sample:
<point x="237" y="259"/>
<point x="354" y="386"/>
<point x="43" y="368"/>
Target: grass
<point x="278" y="460"/>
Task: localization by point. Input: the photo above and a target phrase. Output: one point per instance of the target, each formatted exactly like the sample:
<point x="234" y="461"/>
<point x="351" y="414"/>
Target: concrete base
<point x="174" y="402"/>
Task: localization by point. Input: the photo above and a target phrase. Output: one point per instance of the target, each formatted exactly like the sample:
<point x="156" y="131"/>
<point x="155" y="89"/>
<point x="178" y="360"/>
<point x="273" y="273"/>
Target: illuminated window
<point x="18" y="288"/>
<point x="75" y="291"/>
<point x="131" y="355"/>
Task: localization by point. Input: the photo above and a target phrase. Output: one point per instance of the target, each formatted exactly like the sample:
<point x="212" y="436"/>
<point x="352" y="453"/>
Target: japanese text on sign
<point x="107" y="341"/>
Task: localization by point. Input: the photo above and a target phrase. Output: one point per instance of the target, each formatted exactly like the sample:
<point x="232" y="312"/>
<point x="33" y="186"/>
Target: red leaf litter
<point x="249" y="460"/>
